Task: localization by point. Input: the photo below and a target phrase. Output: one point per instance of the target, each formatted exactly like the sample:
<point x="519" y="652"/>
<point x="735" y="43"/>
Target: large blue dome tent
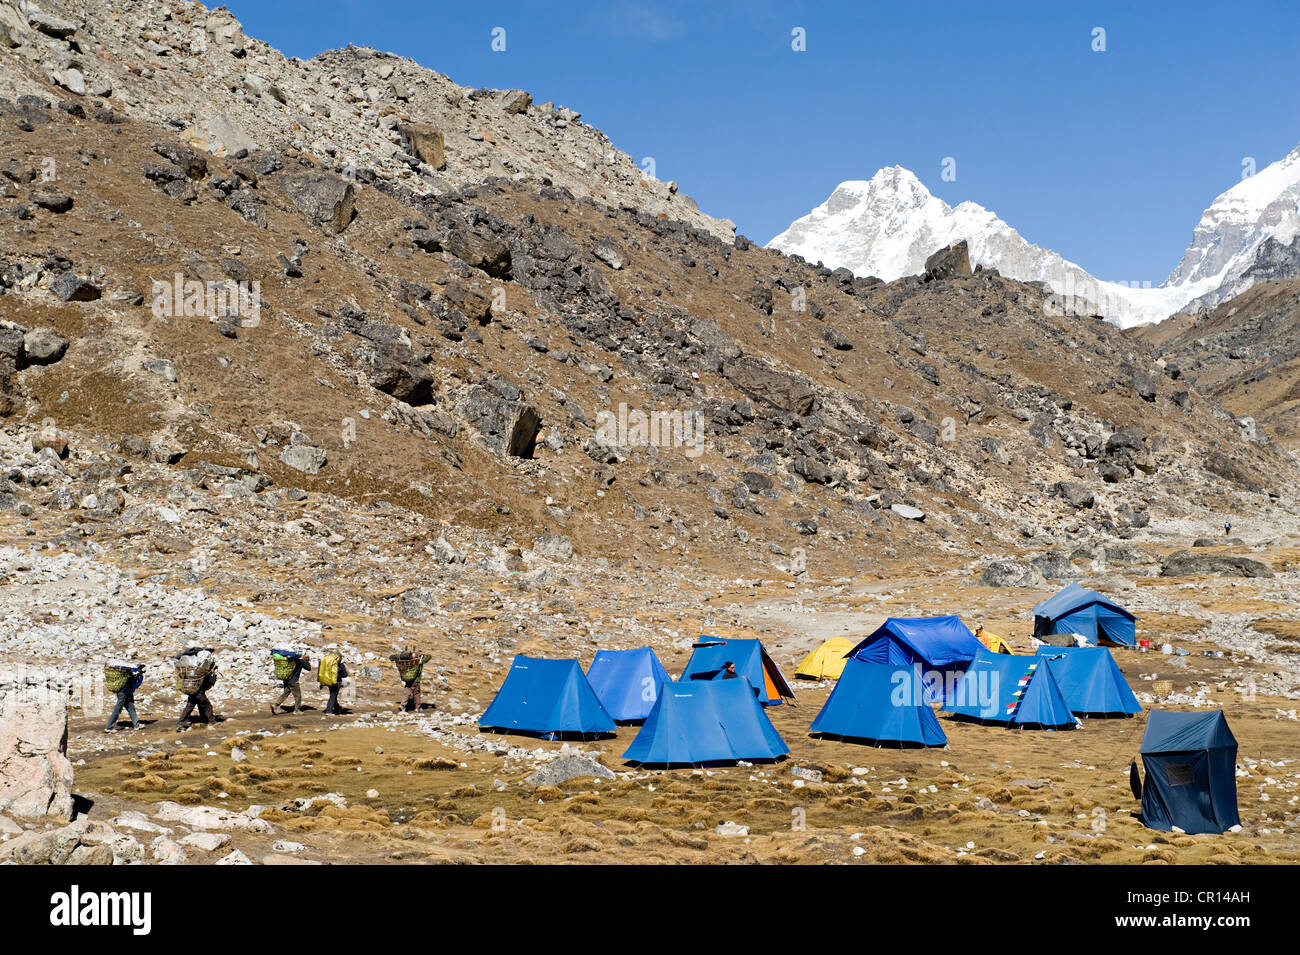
<point x="706" y="723"/>
<point x="943" y="646"/>
<point x="1013" y="691"/>
<point x="1091" y="681"/>
<point x="879" y="703"/>
<point x="627" y="682"/>
<point x="752" y="662"/>
<point x="1095" y="617"/>
<point x="548" y="698"/>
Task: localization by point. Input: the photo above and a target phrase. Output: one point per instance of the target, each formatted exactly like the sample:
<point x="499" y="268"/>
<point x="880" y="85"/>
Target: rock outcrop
<point x="35" y="773"/>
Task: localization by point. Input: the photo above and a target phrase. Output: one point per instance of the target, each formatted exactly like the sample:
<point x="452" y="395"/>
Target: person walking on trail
<point x="1227" y="528"/>
<point x="124" y="680"/>
<point x="410" y="668"/>
<point x="289" y="665"/>
<point x="197" y="673"/>
<point x="331" y="674"/>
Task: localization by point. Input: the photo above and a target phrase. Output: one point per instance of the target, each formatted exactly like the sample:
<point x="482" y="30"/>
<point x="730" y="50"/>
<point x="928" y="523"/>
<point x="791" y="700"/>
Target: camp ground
<point x="943" y="646"/>
<point x="826" y="662"/>
<point x="547" y="698"/>
<point x="1091" y="681"/>
<point x="1076" y="610"/>
<point x="705" y="723"/>
<point x="881" y="704"/>
<point x="1191" y="773"/>
<point x="627" y="682"/>
<point x="1014" y="691"/>
<point x="710" y="654"/>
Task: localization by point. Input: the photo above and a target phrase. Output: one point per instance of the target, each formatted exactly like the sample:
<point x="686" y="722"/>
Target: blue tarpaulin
<point x="1091" y="681"/>
<point x="944" y="646"/>
<point x="547" y="698"/>
<point x="752" y="663"/>
<point x="1017" y="691"/>
<point x="627" y="682"/>
<point x="1191" y="772"/>
<point x="879" y="703"/>
<point x="1078" y="610"/>
<point x="701" y="722"/>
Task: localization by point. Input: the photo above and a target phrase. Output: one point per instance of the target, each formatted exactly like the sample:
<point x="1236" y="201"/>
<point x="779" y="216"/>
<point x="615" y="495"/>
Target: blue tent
<point x="1191" y="764"/>
<point x="944" y="646"/>
<point x="547" y="698"/>
<point x="751" y="660"/>
<point x="1086" y="612"/>
<point x="1016" y="691"/>
<point x="879" y="703"/>
<point x="627" y="682"/>
<point x="1091" y="681"/>
<point x="699" y="723"/>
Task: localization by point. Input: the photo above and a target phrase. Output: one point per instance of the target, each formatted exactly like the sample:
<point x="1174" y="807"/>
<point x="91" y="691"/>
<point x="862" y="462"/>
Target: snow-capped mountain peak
<point x="889" y="224"/>
<point x="1238" y="221"/>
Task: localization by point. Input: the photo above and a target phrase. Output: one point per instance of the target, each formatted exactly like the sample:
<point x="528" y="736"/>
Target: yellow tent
<point x="827" y="661"/>
<point x="994" y="642"/>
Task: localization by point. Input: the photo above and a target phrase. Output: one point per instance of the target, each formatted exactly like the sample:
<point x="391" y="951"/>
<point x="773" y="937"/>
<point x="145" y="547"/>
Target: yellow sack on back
<point x="328" y="674"/>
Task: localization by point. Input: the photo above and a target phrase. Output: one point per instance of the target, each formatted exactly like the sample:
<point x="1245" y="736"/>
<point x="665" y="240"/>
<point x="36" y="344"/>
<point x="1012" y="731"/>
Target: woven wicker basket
<point x="1162" y="688"/>
<point x="116" y="677"/>
<point x="284" y="666"/>
<point x="408" y="670"/>
<point x="189" y="679"/>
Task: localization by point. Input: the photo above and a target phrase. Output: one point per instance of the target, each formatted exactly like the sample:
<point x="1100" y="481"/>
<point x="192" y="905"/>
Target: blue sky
<point x="1108" y="158"/>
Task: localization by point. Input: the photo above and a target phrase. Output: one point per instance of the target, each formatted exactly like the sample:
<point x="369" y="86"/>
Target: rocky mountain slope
<point x="453" y="354"/>
<point x="195" y="72"/>
<point x="886" y="226"/>
<point x="1245" y="354"/>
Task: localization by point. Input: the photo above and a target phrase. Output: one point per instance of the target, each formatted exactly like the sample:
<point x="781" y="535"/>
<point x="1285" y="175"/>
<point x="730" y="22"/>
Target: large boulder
<point x="948" y="262"/>
<point x="566" y="767"/>
<point x="507" y="425"/>
<point x="1074" y="493"/>
<point x="515" y="101"/>
<point x="553" y="547"/>
<point x="779" y="389"/>
<point x="424" y="142"/>
<point x="70" y="287"/>
<point x="479" y="250"/>
<point x="224" y="31"/>
<point x="1009" y="573"/>
<point x="1184" y="563"/>
<point x="392" y="365"/>
<point x="48" y="24"/>
<point x="1054" y="565"/>
<point x="44" y="346"/>
<point x="397" y="369"/>
<point x="327" y="200"/>
<point x="304" y="458"/>
<point x="191" y="163"/>
<point x="35" y="773"/>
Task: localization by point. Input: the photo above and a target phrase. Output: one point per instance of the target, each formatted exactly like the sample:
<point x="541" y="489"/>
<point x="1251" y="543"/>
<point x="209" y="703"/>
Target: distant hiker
<point x="1227" y="528"/>
<point x="196" y="673"/>
<point x="330" y="674"/>
<point x="289" y="665"/>
<point x="728" y="671"/>
<point x="123" y="679"/>
<point x="410" y="669"/>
